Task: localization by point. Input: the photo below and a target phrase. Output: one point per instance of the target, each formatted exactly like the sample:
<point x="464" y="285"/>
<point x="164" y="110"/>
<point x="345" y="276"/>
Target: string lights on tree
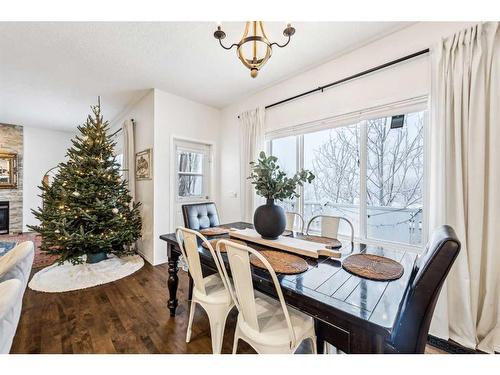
<point x="80" y="214"/>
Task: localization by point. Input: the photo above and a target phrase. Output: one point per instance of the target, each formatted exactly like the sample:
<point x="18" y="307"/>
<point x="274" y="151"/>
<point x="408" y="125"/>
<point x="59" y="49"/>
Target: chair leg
<point x="190" y="322"/>
<point x="313" y="344"/>
<point x="217" y="316"/>
<point x="235" y="344"/>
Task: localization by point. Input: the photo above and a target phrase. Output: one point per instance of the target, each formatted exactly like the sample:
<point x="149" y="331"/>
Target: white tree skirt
<point x="68" y="277"/>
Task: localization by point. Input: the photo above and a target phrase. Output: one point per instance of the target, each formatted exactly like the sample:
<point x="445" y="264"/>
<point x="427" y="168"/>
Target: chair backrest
<point x="243" y="294"/>
<point x="200" y="215"/>
<point x="415" y="312"/>
<point x="11" y="291"/>
<point x="17" y="263"/>
<point x="330" y="225"/>
<point x="189" y="241"/>
<point x="294" y="222"/>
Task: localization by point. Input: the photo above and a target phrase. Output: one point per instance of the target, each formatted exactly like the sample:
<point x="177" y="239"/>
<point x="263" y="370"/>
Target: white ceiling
<point x="51" y="72"/>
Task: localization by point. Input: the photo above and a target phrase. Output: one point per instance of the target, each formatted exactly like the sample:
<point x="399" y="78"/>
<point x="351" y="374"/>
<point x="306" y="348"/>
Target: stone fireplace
<point x="11" y="214"/>
<point x="4" y="217"/>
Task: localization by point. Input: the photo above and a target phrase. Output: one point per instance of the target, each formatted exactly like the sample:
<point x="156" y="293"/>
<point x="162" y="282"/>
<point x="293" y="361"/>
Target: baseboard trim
<point x="449" y="346"/>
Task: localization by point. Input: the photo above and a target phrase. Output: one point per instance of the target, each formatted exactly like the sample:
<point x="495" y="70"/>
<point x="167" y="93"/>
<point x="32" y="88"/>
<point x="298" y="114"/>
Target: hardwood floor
<point x="126" y="316"/>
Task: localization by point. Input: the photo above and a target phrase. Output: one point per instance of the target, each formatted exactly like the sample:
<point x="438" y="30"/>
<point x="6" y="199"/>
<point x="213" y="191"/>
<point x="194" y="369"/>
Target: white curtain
<point x="464" y="189"/>
<point x="129" y="155"/>
<point x="251" y="144"/>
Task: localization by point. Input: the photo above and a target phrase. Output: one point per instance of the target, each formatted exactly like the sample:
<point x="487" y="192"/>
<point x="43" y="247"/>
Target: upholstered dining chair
<point x="266" y="324"/>
<point x="11" y="291"/>
<point x="330" y="225"/>
<point x="200" y="215"/>
<point x="294" y="222"/>
<point x="210" y="292"/>
<point x="411" y="328"/>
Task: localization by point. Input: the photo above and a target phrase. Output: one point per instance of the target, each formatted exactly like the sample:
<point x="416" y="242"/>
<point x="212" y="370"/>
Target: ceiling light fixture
<point x="257" y="45"/>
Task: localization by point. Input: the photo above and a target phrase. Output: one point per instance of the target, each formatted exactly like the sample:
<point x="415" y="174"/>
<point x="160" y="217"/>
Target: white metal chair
<point x="330" y="225"/>
<point x="209" y="292"/>
<point x="294" y="222"/>
<point x="11" y="291"/>
<point x="268" y="325"/>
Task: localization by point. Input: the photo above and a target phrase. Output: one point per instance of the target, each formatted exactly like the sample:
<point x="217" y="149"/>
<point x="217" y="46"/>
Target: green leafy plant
<point x="272" y="183"/>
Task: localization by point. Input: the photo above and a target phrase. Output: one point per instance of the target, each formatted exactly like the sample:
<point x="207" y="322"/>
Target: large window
<point x="286" y="150"/>
<point x="370" y="172"/>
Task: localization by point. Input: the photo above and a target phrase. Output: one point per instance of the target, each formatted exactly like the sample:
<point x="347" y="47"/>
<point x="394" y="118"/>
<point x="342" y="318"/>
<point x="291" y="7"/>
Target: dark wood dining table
<point x="354" y="314"/>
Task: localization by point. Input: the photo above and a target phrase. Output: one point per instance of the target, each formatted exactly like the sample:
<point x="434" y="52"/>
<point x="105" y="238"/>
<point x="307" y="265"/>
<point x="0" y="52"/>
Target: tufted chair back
<point x="200" y="215"/>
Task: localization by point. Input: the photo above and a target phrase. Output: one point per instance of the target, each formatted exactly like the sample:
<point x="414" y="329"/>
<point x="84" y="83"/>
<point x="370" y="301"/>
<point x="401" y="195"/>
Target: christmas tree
<point x="87" y="209"/>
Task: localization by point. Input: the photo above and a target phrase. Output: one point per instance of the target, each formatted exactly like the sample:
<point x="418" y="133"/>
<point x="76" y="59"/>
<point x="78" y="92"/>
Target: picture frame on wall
<point x="8" y="170"/>
<point x="143" y="165"/>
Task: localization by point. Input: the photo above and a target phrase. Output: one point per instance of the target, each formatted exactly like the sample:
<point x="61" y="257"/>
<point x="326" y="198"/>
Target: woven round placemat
<point x="283" y="263"/>
<point x="222" y="248"/>
<point x="333" y="242"/>
<point x="373" y="267"/>
<point x="215" y="231"/>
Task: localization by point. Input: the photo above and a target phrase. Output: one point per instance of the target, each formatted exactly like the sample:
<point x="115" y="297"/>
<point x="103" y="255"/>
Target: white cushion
<point x="16" y="264"/>
<point x="11" y="291"/>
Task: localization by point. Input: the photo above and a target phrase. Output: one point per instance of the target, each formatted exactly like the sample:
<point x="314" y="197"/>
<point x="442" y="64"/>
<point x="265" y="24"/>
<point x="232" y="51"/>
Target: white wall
<point x="143" y="114"/>
<point x="176" y="117"/>
<point x="43" y="149"/>
<point x="403" y="81"/>
<point x="159" y="117"/>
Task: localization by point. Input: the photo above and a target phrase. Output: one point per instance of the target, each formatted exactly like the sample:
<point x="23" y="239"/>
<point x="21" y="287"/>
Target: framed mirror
<point x="8" y="170"/>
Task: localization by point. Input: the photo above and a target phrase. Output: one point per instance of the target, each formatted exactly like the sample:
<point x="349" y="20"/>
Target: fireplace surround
<point x="4" y="217"/>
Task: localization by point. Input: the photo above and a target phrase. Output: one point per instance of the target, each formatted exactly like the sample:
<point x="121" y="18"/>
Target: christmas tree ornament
<point x="92" y="174"/>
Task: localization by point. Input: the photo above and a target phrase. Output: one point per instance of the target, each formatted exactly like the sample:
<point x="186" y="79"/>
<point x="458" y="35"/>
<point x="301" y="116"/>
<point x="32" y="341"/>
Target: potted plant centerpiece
<point x="273" y="184"/>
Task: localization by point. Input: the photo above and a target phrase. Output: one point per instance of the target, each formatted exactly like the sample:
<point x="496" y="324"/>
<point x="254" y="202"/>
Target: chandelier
<point x="255" y="49"/>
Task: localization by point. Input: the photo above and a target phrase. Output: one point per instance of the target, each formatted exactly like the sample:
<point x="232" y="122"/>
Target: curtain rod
<point x="120" y="129"/>
<point x="349" y="78"/>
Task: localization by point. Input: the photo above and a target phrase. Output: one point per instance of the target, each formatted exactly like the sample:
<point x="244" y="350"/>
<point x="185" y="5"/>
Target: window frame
<point x="418" y="104"/>
<point x="204" y="150"/>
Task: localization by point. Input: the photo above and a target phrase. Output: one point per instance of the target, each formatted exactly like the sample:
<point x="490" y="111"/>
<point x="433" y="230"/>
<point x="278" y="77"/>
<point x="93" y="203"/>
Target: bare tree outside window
<point x="394" y="175"/>
<point x="333" y="156"/>
<point x="395" y="162"/>
<point x="190" y="174"/>
<point x="395" y="170"/>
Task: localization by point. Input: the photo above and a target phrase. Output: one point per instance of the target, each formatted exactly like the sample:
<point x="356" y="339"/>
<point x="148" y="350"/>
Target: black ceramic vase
<point x="96" y="257"/>
<point x="269" y="220"/>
